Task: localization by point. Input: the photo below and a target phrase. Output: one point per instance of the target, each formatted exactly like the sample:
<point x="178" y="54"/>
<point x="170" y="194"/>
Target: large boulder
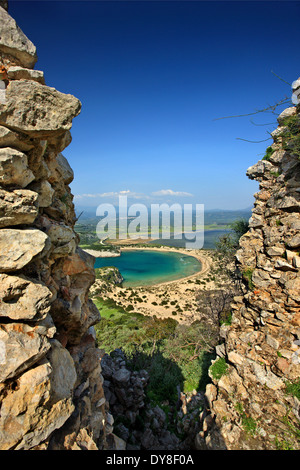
<point x="31" y="412"/>
<point x="32" y="108"/>
<point x="14" y="169"/>
<point x="19" y="247"/>
<point x="14" y="42"/>
<point x="22" y="298"/>
<point x="21" y="346"/>
<point x="17" y="207"/>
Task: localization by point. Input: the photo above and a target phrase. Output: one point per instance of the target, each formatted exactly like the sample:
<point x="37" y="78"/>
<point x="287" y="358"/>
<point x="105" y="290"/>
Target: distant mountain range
<point x="212" y="216"/>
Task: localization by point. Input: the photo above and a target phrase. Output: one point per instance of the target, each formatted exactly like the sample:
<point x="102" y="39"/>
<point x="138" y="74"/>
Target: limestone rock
<point x="115" y="442"/>
<point x="60" y="234"/>
<point x="258" y="170"/>
<point x="64" y="168"/>
<point x="19" y="247"/>
<point x="22" y="298"/>
<point x="21" y="346"/>
<point x="57" y="143"/>
<point x="294" y="242"/>
<point x="28" y="413"/>
<point x="275" y="251"/>
<point x="288" y="112"/>
<point x="20" y="73"/>
<point x="17" y="207"/>
<point x="14" y="169"/>
<point x="266" y="377"/>
<point x="14" y="42"/>
<point x="121" y="376"/>
<point x="32" y="108"/>
<point x="45" y="192"/>
<point x="63" y="375"/>
<point x="284" y="266"/>
<point x="8" y="138"/>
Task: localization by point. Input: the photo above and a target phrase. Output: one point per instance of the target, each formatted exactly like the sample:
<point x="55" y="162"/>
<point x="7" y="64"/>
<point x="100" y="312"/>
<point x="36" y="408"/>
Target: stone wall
<point x="249" y="402"/>
<point x="51" y="390"/>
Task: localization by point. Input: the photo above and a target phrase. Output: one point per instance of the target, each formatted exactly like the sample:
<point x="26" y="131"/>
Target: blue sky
<point x="153" y="77"/>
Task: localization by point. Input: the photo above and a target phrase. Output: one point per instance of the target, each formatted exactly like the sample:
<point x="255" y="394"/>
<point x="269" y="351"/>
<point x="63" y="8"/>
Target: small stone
<point x="122" y="376"/>
<point x="14" y="168"/>
<point x="288" y="112"/>
<point x="18" y="207"/>
<point x="45" y="192"/>
<point x="9" y="138"/>
<point x="296" y="262"/>
<point x="294" y="242"/>
<point x="284" y="266"/>
<point x="272" y="342"/>
<point x="64" y="168"/>
<point x="20" y="73"/>
<point x="275" y="251"/>
<point x="258" y="170"/>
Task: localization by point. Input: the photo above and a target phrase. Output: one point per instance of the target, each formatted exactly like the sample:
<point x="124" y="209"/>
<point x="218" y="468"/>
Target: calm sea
<point x="148" y="267"/>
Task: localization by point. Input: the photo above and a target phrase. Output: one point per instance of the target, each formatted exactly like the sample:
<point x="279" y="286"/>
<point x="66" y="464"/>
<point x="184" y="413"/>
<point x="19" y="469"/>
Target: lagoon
<point x="149" y="267"/>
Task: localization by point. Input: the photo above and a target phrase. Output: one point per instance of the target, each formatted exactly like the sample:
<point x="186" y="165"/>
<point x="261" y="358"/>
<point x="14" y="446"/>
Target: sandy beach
<point x="175" y="299"/>
<point x="101" y="254"/>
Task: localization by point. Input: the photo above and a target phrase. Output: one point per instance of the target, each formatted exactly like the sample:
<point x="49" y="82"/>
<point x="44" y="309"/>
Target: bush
<point x="293" y="388"/>
<point x="269" y="152"/>
<point x="247" y="275"/>
<point x="218" y="368"/>
<point x="172" y="354"/>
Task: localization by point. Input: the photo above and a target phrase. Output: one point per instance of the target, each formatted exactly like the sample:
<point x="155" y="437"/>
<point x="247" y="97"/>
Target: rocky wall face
<point x="51" y="394"/>
<point x="250" y="402"/>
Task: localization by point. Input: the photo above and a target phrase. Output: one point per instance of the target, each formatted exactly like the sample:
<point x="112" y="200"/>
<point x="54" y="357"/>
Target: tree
<point x="228" y="244"/>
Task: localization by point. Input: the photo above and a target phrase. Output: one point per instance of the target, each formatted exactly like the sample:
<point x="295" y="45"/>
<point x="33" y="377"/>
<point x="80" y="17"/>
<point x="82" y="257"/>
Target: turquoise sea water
<point x="149" y="267"/>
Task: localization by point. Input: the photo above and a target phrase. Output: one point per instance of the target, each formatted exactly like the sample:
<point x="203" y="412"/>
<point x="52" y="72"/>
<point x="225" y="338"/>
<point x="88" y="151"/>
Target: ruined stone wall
<point x="51" y="394"/>
<point x="250" y="405"/>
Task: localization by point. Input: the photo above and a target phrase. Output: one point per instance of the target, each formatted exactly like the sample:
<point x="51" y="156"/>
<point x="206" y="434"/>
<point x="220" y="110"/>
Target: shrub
<point x="226" y="318"/>
<point x="248" y="423"/>
<point x="247" y="275"/>
<point x="269" y="152"/>
<point x="218" y="368"/>
<point x="291" y="135"/>
<point x="293" y="388"/>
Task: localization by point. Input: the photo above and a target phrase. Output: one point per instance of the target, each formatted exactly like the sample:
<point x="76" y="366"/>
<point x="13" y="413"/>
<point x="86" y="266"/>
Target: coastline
<point x="180" y="294"/>
<point x="101" y="254"/>
<point x="205" y="264"/>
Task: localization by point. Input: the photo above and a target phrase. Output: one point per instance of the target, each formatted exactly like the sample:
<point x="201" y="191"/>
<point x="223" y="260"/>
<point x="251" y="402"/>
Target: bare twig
<point x="271" y="108"/>
<point x="280" y="78"/>
<point x="254" y="141"/>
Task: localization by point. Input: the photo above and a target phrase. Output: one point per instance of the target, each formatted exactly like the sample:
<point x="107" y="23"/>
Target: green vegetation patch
<point x="247" y="275"/>
<point x="269" y="152"/>
<point x="218" y="368"/>
<point x="291" y="135"/>
<point x="172" y="354"/>
<point x="293" y="388"/>
<point x="248" y="423"/>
